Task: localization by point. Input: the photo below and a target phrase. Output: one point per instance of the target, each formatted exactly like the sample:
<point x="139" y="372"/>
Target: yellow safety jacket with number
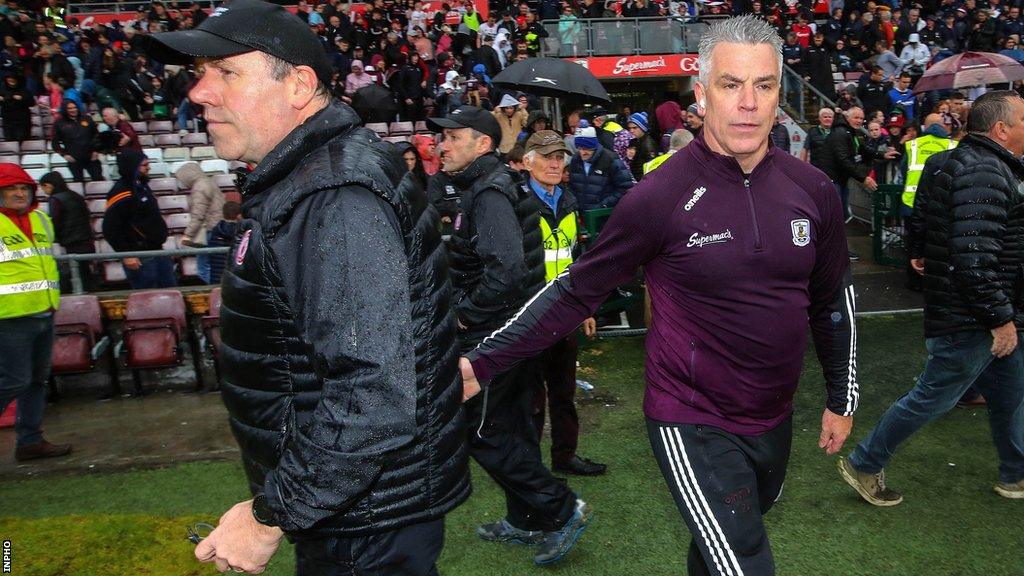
<point x="918" y="151"/>
<point x="558" y="245"/>
<point x="29" y="282"/>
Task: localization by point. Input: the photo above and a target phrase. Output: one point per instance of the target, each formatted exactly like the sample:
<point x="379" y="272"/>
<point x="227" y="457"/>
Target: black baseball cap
<point x="470" y="117"/>
<point x="241" y="26"/>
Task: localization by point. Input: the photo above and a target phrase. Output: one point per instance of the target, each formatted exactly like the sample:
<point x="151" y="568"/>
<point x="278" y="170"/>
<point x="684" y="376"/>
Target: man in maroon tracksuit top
<point x="741" y="244"/>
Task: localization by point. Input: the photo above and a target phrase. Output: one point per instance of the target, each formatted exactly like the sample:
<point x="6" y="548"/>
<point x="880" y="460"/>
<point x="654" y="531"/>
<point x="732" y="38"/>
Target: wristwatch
<point x="262" y="512"/>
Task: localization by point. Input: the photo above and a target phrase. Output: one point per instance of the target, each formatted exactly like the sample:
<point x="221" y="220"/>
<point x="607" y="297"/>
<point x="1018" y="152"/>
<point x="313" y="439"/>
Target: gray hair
<point x="992" y="107"/>
<point x="679" y="139"/>
<point x="747" y="29"/>
<point x="280" y="69"/>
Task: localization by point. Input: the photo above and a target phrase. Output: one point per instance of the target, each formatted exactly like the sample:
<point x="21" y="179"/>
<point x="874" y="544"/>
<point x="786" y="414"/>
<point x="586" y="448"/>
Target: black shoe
<point x="580" y="467"/>
<point x="854" y="256"/>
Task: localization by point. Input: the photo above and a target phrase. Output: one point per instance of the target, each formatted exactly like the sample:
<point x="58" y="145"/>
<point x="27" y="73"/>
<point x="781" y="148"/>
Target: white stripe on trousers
<point x="852" y="391"/>
<point x="722" y="555"/>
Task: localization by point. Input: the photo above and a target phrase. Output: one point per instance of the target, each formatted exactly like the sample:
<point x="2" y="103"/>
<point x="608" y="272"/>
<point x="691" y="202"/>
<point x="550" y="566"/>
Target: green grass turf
<point x="950" y="524"/>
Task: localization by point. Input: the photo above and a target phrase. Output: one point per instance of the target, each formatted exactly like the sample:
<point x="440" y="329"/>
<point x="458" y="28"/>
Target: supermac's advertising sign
<point x="626" y="67"/>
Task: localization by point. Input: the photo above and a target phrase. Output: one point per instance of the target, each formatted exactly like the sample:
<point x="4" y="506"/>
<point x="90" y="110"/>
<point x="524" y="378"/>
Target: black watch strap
<point x="262" y="512"/>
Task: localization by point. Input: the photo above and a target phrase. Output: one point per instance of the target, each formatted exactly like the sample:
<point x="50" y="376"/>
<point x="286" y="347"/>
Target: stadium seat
<point x="57" y="160"/>
<point x="195" y="139"/>
<point x="237" y="165"/>
<point x="65" y="172"/>
<point x="400" y="129"/>
<point x="79" y="338"/>
<point x="379" y="127"/>
<point x="44" y="205"/>
<point x="9" y="147"/>
<point x="211" y="330"/>
<point x="103" y="247"/>
<point x="172" y="204"/>
<point x="158" y="169"/>
<point x="36" y="120"/>
<point x="189" y="267"/>
<point x="148" y="115"/>
<point x="214" y="166"/>
<point x="37" y="173"/>
<point x="155" y="326"/>
<point x="140" y="127"/>
<point x="167" y="140"/>
<point x="96" y="205"/>
<point x="159" y="126"/>
<point x="35" y="161"/>
<point x="29" y="146"/>
<point x="37" y="133"/>
<point x="421" y="127"/>
<point x="161" y="186"/>
<point x="171" y="243"/>
<point x="9" y="158"/>
<point x="97" y="226"/>
<point x="77" y="187"/>
<point x="203" y="153"/>
<point x="154" y="154"/>
<point x="225" y="181"/>
<point x="176" y="154"/>
<point x="113" y="272"/>
<point x="177" y="222"/>
<point x="97" y="189"/>
<point x="147" y="140"/>
<point x="396" y="139"/>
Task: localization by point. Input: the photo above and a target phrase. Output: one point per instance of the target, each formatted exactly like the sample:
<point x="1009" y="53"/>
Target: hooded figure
<point x="15" y="109"/>
<point x="535" y="117"/>
<point x="205" y="203"/>
<point x="132" y="220"/>
<point x="670" y="119"/>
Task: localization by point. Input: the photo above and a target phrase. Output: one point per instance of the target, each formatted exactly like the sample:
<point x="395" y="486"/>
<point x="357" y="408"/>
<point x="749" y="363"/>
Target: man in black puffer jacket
<point x="974" y="309"/>
<point x="497" y="263"/>
<point x="339" y="349"/>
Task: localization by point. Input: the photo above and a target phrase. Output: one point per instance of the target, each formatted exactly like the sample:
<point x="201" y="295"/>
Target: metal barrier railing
<point x="118" y="6"/>
<point x="77" y="286"/>
<point x="801" y="98"/>
<point x="582" y="38"/>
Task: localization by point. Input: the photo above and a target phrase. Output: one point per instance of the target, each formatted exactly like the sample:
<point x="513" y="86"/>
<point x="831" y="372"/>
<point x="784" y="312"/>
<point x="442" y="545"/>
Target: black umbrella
<point x="374" y="103"/>
<point x="552" y="77"/>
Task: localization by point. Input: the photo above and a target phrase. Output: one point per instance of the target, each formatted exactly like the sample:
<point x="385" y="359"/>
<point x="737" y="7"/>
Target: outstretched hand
<point x="834" y="430"/>
<point x="470" y="385"/>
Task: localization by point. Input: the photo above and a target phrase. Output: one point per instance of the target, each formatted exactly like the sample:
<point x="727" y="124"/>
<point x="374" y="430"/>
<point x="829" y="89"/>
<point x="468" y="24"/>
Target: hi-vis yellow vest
<point x="918" y="151"/>
<point x="558" y="245"/>
<point x="653" y="163"/>
<point x="29" y="283"/>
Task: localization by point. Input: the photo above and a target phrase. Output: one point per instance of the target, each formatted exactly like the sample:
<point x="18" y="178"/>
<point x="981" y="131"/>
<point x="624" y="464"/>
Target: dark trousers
<point x="558" y="385"/>
<point x="508" y="449"/>
<point x="84" y="268"/>
<point x="80" y="167"/>
<point x="27" y="345"/>
<point x="409" y="551"/>
<point x="155" y="272"/>
<point x="723" y="484"/>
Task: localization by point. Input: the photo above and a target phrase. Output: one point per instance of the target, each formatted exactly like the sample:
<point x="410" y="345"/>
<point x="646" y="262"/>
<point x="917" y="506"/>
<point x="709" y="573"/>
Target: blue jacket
<point x="608" y="180"/>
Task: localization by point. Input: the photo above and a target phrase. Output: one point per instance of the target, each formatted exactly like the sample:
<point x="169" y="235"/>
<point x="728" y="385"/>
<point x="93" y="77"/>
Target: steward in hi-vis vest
<point x="935" y="139"/>
<point x="29" y="295"/>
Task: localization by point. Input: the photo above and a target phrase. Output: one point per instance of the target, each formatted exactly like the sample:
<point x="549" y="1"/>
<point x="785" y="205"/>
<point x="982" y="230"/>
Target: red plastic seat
<point x="79" y="338"/>
<point x="155" y="325"/>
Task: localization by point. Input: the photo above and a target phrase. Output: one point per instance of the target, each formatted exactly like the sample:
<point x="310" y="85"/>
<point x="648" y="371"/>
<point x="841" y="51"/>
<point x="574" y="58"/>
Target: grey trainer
<point x="871" y="487"/>
<point x="502" y="531"/>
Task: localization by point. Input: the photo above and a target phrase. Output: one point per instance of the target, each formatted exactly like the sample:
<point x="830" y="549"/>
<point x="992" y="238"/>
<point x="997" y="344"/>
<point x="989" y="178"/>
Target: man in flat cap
<point x="339" y="351"/>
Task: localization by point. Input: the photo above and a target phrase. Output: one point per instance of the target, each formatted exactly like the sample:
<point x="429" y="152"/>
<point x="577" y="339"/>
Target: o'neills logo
<point x="699" y="241"/>
<point x="624" y="66"/>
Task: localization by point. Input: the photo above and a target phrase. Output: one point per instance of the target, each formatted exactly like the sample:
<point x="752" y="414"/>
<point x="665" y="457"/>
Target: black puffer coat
<point x="844" y="155"/>
<point x="496" y="264"/>
<point x="339" y="357"/>
<point x="974" y="246"/>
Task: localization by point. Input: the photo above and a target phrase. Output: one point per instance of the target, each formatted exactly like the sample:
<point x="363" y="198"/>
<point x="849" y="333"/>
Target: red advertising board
<point x="626" y="67"/>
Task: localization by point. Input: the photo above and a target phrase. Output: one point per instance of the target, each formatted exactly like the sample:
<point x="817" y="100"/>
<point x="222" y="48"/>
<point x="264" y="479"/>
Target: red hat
<point x="897" y="120"/>
<point x="11" y="174"/>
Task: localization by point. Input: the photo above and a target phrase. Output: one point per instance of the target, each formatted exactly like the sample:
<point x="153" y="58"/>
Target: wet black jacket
<point x="339" y="357"/>
<point x="974" y="240"/>
<point x="75" y="137"/>
<point x="497" y="259"/>
<point x="71" y="219"/>
<point x="844" y="155"/>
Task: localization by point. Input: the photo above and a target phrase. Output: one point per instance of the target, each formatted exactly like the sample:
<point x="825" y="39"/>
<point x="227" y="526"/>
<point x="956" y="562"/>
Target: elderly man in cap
<point x="338" y="357"/>
<point x="29" y="296"/>
<point x="497" y="263"/>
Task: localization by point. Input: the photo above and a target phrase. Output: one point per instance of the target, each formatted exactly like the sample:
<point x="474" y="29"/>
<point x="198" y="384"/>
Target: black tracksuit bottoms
<point x="407" y="551"/>
<point x="508" y="449"/>
<point x="722" y="484"/>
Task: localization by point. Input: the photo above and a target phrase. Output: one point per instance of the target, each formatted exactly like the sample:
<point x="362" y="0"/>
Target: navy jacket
<point x="608" y="180"/>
